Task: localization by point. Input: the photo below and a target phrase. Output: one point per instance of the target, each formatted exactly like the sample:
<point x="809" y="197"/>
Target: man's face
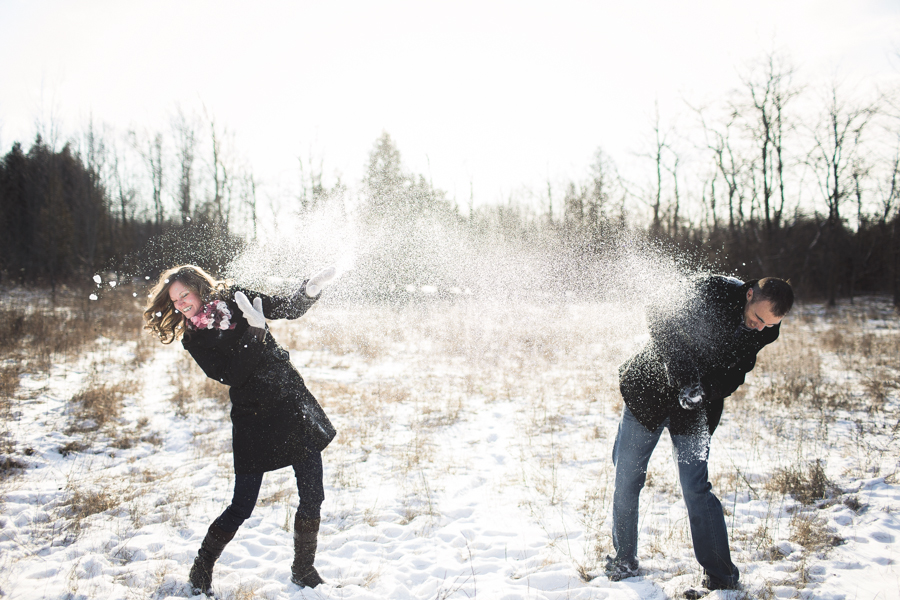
<point x="758" y="315"/>
<point x="185" y="300"/>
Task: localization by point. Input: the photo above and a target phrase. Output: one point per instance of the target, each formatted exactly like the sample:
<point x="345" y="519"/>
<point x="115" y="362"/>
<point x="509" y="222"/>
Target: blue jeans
<point x="631" y="453"/>
<point x="246" y="491"/>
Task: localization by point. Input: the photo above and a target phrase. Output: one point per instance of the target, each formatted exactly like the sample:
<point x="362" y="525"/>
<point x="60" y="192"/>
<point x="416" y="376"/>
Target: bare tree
<point x="784" y="91"/>
<point x="889" y="216"/>
<point x="49" y="124"/>
<point x="710" y="219"/>
<point x="125" y="191"/>
<point x="185" y="153"/>
<point x="889" y="188"/>
<point x="770" y="89"/>
<point x="837" y="148"/>
<point x="93" y="209"/>
<point x="657" y="156"/>
<point x="675" y="205"/>
<point x="221" y="173"/>
<point x="151" y="151"/>
<point x="606" y="188"/>
<point x="728" y="164"/>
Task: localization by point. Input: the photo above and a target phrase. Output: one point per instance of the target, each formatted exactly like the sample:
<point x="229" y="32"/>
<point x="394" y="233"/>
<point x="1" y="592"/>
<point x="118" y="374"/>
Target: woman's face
<point x="185" y="300"/>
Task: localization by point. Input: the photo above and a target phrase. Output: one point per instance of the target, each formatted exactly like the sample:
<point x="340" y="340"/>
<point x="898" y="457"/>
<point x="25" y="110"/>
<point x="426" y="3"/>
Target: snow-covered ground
<point x="472" y="461"/>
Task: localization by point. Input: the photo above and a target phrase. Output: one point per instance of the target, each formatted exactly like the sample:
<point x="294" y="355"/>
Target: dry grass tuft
<point x="10" y="466"/>
<point x="811" y="532"/>
<point x="805" y="487"/>
<point x="72" y="447"/>
<point x="124" y="441"/>
<point x="98" y="404"/>
<point x="853" y="503"/>
<point x="82" y="504"/>
<point x="242" y="592"/>
<point x="128" y="438"/>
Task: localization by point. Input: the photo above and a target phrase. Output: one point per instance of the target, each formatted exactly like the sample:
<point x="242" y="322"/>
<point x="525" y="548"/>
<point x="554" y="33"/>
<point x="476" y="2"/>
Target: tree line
<point x="775" y="178"/>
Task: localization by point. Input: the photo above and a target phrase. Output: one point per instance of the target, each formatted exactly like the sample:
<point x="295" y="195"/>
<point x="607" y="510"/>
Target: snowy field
<point x="472" y="459"/>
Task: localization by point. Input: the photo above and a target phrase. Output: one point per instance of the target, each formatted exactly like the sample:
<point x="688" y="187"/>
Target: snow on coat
<point x="275" y="420"/>
<point x="698" y="338"/>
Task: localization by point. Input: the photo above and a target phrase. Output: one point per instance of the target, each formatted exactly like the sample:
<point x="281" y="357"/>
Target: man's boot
<point x="210" y="550"/>
<point x="303" y="573"/>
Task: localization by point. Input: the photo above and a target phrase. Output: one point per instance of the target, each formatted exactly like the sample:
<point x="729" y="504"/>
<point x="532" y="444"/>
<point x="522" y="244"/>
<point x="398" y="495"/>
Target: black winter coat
<point x="275" y="420"/>
<point x="702" y="339"/>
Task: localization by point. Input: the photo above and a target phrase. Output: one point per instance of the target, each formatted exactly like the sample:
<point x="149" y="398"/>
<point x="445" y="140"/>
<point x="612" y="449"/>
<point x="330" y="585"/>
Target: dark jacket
<point x="697" y="338"/>
<point x="275" y="420"/>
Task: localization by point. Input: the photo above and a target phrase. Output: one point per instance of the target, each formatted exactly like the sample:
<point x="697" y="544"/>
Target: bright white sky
<point x="497" y="94"/>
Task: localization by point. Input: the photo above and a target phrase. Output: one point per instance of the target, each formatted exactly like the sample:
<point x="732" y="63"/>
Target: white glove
<point x="319" y="280"/>
<point x="253" y="314"/>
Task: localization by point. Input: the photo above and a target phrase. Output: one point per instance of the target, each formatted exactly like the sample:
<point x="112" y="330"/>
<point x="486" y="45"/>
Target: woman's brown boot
<point x="303" y="573"/>
<point x="210" y="550"/>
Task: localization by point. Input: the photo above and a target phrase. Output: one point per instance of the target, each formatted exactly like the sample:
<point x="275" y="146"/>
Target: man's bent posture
<point x="702" y="343"/>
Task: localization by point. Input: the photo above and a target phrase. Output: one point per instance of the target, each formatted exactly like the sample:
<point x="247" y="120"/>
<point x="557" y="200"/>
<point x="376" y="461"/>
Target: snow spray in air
<point x="483" y="268"/>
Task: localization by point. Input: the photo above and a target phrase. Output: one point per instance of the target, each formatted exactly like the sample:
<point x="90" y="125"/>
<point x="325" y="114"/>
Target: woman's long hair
<point x="160" y="316"/>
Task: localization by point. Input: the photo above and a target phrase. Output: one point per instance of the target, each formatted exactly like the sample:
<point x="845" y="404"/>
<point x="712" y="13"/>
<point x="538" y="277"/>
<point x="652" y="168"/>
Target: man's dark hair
<point x="777" y="291"/>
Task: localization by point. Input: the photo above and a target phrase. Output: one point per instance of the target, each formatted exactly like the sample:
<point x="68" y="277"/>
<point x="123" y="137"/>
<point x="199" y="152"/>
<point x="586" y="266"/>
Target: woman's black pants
<point x="246" y="491"/>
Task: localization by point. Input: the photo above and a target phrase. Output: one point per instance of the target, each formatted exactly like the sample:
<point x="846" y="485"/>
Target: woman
<point x="276" y="421"/>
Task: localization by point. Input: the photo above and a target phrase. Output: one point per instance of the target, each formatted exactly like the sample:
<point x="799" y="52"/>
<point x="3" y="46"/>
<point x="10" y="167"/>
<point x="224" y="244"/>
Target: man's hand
<point x="691" y="396"/>
<point x="253" y="314"/>
<point x="318" y="281"/>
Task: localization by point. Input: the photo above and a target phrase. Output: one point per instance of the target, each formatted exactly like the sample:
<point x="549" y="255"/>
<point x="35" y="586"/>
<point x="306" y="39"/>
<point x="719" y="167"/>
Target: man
<point x="703" y="341"/>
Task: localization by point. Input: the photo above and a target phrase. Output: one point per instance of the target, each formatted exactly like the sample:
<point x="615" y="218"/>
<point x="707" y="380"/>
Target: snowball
<point x="93" y="296"/>
<point x="97" y="279"/>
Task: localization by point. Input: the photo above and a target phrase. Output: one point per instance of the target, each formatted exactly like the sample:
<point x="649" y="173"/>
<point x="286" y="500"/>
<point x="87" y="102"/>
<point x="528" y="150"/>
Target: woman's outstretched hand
<point x="253" y="314"/>
<point x="318" y="281"/>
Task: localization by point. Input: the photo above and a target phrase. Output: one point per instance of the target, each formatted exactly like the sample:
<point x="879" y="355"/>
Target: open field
<point x="472" y="459"/>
